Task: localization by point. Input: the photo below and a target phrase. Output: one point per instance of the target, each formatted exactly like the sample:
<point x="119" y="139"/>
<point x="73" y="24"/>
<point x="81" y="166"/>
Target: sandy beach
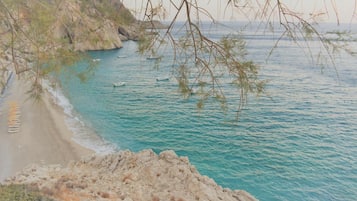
<point x="42" y="137"/>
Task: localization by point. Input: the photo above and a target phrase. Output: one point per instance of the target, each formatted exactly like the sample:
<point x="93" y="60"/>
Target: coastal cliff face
<point x="81" y="24"/>
<point x="85" y="27"/>
<point x="127" y="176"/>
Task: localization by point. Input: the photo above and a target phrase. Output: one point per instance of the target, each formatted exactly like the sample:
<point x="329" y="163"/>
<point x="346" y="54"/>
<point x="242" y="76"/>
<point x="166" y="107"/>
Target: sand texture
<point x="33" y="132"/>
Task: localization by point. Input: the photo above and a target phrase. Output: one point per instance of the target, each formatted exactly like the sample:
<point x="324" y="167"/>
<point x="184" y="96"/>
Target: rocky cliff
<point x="84" y="26"/>
<point x="127" y="176"/>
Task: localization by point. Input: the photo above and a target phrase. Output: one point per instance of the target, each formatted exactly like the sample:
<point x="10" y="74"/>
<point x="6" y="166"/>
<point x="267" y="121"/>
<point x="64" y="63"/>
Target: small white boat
<point x="119" y="84"/>
<point x="151" y="57"/>
<point x="122" y="56"/>
<point x="194" y="91"/>
<point x="96" y="60"/>
<point x="160" y="79"/>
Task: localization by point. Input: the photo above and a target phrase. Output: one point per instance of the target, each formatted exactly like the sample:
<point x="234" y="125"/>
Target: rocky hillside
<point x="127" y="176"/>
<point x="85" y="29"/>
<point x="84" y="24"/>
<point x="94" y="24"/>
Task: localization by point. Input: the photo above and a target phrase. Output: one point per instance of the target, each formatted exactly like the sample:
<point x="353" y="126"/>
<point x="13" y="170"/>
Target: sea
<point x="297" y="141"/>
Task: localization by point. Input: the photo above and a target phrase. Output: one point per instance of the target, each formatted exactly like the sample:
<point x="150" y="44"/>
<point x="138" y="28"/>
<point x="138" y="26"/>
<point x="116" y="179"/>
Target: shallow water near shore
<point x="297" y="142"/>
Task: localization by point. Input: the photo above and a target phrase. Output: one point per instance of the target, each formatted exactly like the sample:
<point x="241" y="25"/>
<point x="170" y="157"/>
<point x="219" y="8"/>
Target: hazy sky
<point x="217" y="8"/>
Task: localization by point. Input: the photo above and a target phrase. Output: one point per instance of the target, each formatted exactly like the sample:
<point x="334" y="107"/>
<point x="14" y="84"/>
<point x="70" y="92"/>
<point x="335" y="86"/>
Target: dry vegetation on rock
<point x="127" y="176"/>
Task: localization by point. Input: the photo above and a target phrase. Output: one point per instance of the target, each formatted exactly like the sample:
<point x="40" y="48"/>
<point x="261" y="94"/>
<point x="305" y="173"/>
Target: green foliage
<point x="20" y="193"/>
<point x="27" y="29"/>
<point x="35" y="49"/>
<point x="202" y="65"/>
<point x="41" y="20"/>
<point x="109" y="9"/>
<point x="198" y="59"/>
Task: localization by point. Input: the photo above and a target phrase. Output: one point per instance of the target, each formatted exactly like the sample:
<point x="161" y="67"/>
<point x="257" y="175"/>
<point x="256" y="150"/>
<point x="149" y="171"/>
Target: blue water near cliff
<point x="297" y="142"/>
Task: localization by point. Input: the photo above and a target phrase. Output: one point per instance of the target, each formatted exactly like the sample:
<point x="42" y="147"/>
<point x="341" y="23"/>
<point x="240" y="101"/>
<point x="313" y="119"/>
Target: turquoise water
<point x="297" y="142"/>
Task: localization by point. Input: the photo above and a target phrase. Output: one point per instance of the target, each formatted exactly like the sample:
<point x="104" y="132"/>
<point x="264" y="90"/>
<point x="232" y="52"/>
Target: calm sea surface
<point x="296" y="142"/>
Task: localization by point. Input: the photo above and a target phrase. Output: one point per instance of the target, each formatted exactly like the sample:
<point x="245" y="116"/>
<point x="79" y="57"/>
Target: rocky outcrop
<point x="128" y="33"/>
<point x="85" y="29"/>
<point x="127" y="176"/>
<point x="77" y="22"/>
<point x="133" y="32"/>
<point x="85" y="25"/>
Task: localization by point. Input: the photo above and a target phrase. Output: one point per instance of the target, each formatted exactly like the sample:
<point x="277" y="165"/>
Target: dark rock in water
<point x="128" y="32"/>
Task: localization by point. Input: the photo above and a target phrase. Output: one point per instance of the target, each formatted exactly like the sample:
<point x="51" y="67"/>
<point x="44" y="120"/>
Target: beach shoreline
<point x="43" y="136"/>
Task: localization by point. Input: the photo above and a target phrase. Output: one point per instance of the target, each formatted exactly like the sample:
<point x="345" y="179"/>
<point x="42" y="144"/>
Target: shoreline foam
<point x="43" y="137"/>
<point x="83" y="134"/>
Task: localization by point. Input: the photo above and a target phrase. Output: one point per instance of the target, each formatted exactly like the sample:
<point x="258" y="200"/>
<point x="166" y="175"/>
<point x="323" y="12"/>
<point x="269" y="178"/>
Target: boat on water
<point x="96" y="60"/>
<point x="119" y="84"/>
<point x="152" y="57"/>
<point x="160" y="79"/>
<point x="194" y="91"/>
